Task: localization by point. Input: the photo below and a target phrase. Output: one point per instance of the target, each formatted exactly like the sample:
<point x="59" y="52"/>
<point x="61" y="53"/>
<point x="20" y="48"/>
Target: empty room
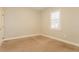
<point x="39" y="29"/>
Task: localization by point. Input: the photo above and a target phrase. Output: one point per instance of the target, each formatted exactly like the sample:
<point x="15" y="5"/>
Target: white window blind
<point x="55" y="20"/>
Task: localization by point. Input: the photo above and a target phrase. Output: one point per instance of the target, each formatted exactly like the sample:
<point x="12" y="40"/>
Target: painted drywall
<point x="1" y="26"/>
<point x="21" y="22"/>
<point x="27" y="21"/>
<point x="69" y="20"/>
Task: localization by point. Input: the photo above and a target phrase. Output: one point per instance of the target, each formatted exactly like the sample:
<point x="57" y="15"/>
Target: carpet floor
<point x="36" y="44"/>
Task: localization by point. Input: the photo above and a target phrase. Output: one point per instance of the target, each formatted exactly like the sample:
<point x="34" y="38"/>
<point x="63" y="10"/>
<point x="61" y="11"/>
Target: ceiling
<point x="39" y="8"/>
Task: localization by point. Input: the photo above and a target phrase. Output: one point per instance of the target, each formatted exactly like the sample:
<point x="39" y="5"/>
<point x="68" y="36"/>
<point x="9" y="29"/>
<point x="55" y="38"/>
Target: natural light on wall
<point x="55" y="20"/>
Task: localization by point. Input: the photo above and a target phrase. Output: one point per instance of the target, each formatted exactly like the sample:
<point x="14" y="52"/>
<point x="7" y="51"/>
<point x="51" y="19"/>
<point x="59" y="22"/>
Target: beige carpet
<point x="36" y="44"/>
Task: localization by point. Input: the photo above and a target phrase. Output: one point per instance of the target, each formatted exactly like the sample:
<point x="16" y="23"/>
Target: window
<point x="55" y="20"/>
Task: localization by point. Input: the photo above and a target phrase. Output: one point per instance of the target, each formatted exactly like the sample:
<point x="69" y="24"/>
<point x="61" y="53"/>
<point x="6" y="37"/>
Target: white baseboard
<point x="65" y="41"/>
<point x="21" y="37"/>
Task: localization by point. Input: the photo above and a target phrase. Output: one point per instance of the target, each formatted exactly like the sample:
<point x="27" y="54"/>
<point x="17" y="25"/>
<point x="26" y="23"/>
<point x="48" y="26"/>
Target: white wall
<point x="21" y="21"/>
<point x="27" y="21"/>
<point x="69" y="21"/>
<point x="1" y="26"/>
